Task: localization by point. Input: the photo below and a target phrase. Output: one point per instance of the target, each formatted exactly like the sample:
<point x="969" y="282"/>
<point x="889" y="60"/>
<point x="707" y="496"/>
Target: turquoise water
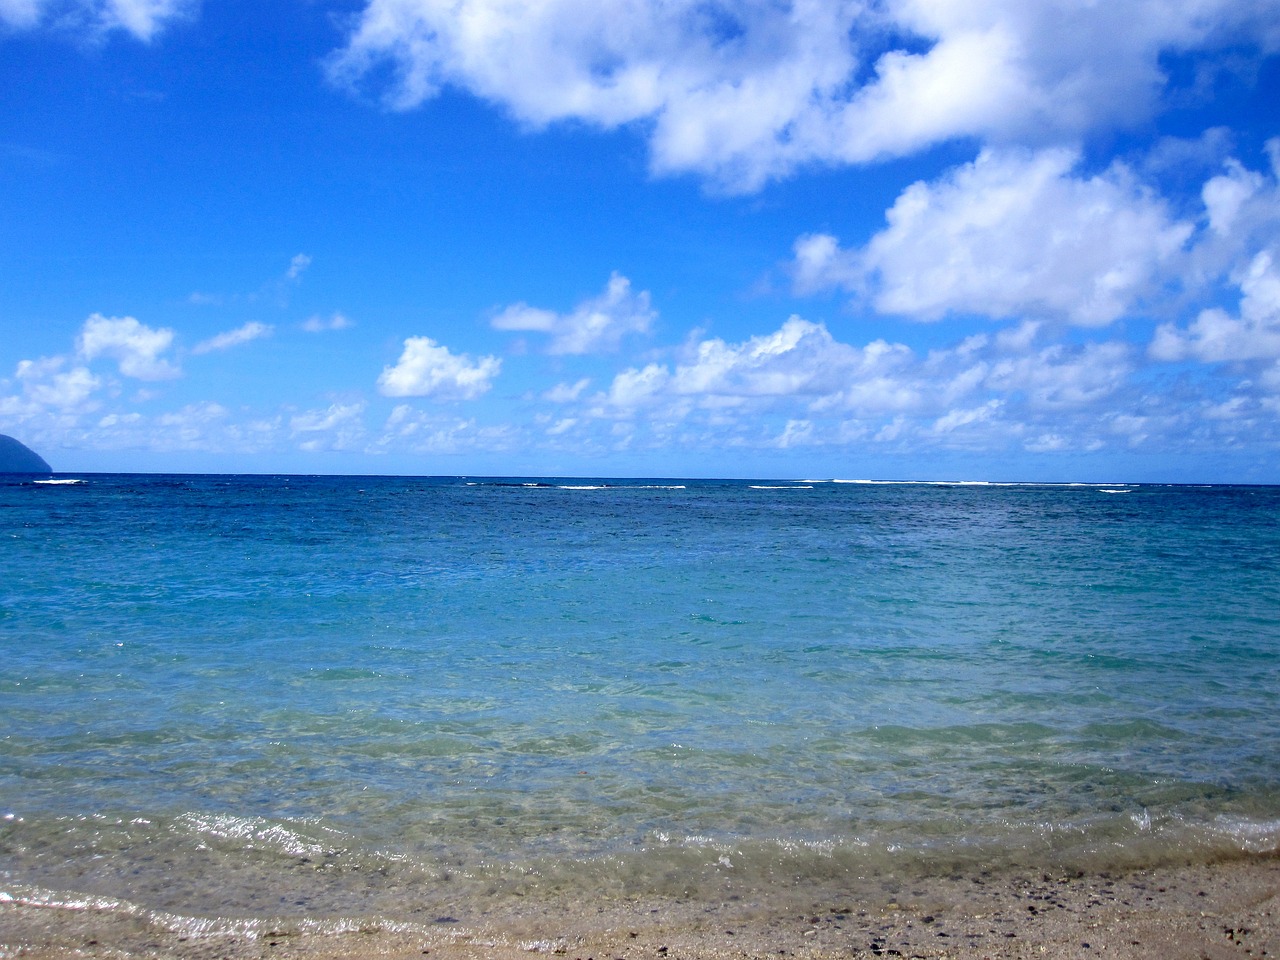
<point x="240" y="697"/>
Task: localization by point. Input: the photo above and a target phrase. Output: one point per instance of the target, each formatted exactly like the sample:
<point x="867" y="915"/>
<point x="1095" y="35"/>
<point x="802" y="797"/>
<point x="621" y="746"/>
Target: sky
<point x="1031" y="240"/>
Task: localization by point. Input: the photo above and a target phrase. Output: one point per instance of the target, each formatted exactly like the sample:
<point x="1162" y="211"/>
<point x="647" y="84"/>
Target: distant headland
<point x="16" y="457"/>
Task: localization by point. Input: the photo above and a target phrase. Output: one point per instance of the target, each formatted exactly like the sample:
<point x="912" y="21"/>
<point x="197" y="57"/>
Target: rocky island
<point x="17" y="457"/>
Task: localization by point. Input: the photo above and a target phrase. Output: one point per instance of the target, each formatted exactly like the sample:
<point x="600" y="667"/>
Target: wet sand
<point x="1221" y="910"/>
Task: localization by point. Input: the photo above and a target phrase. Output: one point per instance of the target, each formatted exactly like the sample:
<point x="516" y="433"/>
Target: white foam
<point x="58" y="481"/>
<point x="1254" y="836"/>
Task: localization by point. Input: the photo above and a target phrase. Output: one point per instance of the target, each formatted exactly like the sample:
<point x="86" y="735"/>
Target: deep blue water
<point x="365" y="690"/>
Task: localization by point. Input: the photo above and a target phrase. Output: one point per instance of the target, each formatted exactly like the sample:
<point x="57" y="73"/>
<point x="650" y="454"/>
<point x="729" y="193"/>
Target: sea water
<point x="309" y="700"/>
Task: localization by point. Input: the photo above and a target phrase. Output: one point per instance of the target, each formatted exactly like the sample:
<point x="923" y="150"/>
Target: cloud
<point x="749" y="91"/>
<point x="297" y="267"/>
<point x="135" y="346"/>
<point x="141" y="18"/>
<point x="1059" y="376"/>
<point x="1013" y="233"/>
<point x="233" y="338"/>
<point x="47" y="384"/>
<point x="595" y="325"/>
<point x="1241" y="239"/>
<point x="318" y="324"/>
<point x="801" y="360"/>
<point x="276" y="288"/>
<point x="340" y="426"/>
<point x="567" y="392"/>
<point x="426" y="368"/>
<point x="800" y="386"/>
<point x="20" y="13"/>
<point x="66" y="384"/>
<point x="430" y="432"/>
<point x="1242" y="208"/>
<point x="1217" y="337"/>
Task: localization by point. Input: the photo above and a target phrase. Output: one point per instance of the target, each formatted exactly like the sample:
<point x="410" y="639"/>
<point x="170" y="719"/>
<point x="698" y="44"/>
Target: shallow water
<point x="319" y="698"/>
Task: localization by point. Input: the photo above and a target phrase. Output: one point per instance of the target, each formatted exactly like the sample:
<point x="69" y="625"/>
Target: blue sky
<point x="965" y="239"/>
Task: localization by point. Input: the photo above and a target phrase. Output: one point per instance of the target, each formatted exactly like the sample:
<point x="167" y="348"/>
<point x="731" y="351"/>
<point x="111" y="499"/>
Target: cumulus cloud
<point x="47" y="384"/>
<point x="136" y="347"/>
<point x="65" y="386"/>
<point x="233" y="338"/>
<point x="426" y="368"/>
<point x="1059" y="376"/>
<point x="594" y="326"/>
<point x="141" y="18"/>
<point x="800" y="361"/>
<point x="1011" y="234"/>
<point x="1242" y="209"/>
<point x="747" y="91"/>
<point x="800" y="386"/>
<point x="1216" y="336"/>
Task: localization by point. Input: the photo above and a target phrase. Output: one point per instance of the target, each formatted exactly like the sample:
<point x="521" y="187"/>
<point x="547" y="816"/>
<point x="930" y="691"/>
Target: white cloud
<point x="141" y="18"/>
<point x="797" y="433"/>
<point x="20" y="13"/>
<point x="801" y="360"/>
<point x="1058" y="376"/>
<point x="426" y="368"/>
<point x="800" y="386"/>
<point x="340" y="426"/>
<point x="318" y="324"/>
<point x="47" y="384"/>
<point x="747" y="91"/>
<point x="430" y="432"/>
<point x="633" y="387"/>
<point x="819" y="263"/>
<point x="955" y="420"/>
<point x="567" y="392"/>
<point x="1011" y="234"/>
<point x="595" y="325"/>
<point x="233" y="338"/>
<point x="1243" y="211"/>
<point x="1217" y="337"/>
<point x="297" y="266"/>
<point x="135" y="346"/>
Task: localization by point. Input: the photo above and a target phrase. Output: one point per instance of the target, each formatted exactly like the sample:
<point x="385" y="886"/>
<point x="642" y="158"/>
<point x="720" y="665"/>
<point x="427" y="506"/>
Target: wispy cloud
<point x="277" y="288"/>
<point x="297" y="266"/>
<point x="595" y="325"/>
<point x="143" y="19"/>
<point x="319" y="324"/>
<point x="233" y="338"/>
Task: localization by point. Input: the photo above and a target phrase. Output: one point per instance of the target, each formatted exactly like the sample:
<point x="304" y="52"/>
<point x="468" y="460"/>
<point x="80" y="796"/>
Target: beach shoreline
<point x="1228" y="908"/>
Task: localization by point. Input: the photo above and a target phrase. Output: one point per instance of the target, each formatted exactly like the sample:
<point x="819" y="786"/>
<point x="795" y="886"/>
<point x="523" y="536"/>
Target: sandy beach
<point x="1220" y="910"/>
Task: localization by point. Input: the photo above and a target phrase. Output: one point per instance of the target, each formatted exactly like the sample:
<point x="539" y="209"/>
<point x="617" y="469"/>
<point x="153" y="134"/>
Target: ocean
<point x="310" y="703"/>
